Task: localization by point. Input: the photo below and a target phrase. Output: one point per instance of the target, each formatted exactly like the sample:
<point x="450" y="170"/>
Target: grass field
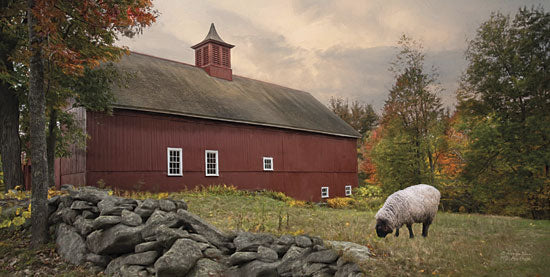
<point x="458" y="244"/>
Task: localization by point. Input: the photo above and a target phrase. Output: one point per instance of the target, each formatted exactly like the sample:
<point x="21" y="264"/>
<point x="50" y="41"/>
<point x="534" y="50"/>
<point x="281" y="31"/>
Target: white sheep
<point x="415" y="204"/>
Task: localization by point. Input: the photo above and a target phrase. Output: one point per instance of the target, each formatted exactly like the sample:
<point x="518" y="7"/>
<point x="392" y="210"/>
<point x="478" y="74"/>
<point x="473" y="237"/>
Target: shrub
<point x="341" y="202"/>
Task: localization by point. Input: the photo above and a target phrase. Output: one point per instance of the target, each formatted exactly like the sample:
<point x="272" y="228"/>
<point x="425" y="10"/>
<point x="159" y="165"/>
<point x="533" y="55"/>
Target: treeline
<point x="492" y="154"/>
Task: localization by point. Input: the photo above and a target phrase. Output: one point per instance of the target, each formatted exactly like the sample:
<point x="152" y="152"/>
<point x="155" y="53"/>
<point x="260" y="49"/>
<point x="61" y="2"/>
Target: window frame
<point x="180" y="152"/>
<point x="327" y="192"/>
<point x="206" y="152"/>
<point x="268" y="159"/>
<point x="348" y="190"/>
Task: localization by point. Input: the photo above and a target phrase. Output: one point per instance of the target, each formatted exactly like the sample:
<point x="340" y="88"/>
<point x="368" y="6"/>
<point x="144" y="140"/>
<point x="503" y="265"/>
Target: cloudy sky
<point x="328" y="48"/>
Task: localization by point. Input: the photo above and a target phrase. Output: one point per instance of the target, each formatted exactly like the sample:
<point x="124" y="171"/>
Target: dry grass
<point x="458" y="244"/>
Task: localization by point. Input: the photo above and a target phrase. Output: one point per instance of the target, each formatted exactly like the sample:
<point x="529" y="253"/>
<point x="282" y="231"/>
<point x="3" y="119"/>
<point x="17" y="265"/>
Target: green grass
<point x="458" y="244"/>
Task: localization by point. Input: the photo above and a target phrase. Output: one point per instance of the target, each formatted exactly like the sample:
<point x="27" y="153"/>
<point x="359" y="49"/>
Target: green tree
<point x="413" y="125"/>
<point x="505" y="100"/>
<point x="69" y="36"/>
<point x="361" y="117"/>
<point x="12" y="40"/>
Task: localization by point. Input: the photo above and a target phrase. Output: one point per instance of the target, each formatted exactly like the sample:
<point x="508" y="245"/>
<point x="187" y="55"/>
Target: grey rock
<point x="89" y="214"/>
<point x="148" y="246"/>
<point x="70" y="245"/>
<point x="177" y="261"/>
<point x="90" y="194"/>
<point x="81" y="205"/>
<point x="285" y="240"/>
<point x="319" y="248"/>
<point x="118" y="239"/>
<point x="310" y="269"/>
<point x="202" y="245"/>
<point x="249" y="241"/>
<point x="317" y="241"/>
<point x="53" y="219"/>
<point x="167" y="236"/>
<point x="213" y="253"/>
<point x="198" y="238"/>
<point x="258" y="268"/>
<point x="280" y="248"/>
<point x="163" y="218"/>
<point x="348" y="270"/>
<point x="68" y="215"/>
<point x="132" y="271"/>
<point x="54" y="201"/>
<point x="211" y="233"/>
<point x="149" y="204"/>
<point x="111" y="206"/>
<point x="267" y="254"/>
<point x="83" y="226"/>
<point x="144" y="213"/>
<point x="180" y="204"/>
<point x="293" y="259"/>
<point x="207" y="267"/>
<point x="352" y="251"/>
<point x="242" y="257"/>
<point x="303" y="241"/>
<point x="144" y="259"/>
<point x="167" y="205"/>
<point x="106" y="221"/>
<point x="324" y="256"/>
<point x="325" y="272"/>
<point x="130" y="218"/>
<point x="98" y="260"/>
<point x="66" y="200"/>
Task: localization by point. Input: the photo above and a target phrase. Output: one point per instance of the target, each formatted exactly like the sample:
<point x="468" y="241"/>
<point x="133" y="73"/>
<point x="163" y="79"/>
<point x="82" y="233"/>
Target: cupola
<point x="214" y="55"/>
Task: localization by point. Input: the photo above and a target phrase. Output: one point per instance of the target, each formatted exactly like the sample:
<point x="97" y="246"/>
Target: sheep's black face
<point x="382" y="228"/>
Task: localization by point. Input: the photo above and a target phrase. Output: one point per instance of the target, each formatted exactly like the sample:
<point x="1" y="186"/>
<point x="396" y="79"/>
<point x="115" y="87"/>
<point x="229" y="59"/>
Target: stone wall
<point x="127" y="237"/>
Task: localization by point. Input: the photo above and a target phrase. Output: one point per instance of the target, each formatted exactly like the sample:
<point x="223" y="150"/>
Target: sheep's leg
<point x="409" y="226"/>
<point x="425" y="227"/>
<point x="397" y="232"/>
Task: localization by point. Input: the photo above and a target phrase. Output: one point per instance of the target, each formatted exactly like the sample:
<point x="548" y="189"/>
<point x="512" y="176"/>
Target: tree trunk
<point x="51" y="141"/>
<point x="10" y="144"/>
<point x="37" y="126"/>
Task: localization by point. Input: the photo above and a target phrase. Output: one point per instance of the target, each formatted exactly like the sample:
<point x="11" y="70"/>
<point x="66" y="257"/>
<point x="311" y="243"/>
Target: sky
<point x="328" y="48"/>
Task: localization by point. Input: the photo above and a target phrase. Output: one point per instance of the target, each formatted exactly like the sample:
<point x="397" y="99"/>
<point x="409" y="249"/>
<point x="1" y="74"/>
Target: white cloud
<point x="328" y="48"/>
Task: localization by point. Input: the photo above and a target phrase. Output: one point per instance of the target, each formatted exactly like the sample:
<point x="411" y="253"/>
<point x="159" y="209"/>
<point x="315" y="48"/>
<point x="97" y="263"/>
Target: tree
<point x="361" y="117"/>
<point x="413" y="125"/>
<point x="70" y="36"/>
<point x="12" y="39"/>
<point x="505" y="101"/>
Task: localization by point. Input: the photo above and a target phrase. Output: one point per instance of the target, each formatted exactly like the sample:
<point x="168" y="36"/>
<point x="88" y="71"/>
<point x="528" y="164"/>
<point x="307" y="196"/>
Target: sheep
<point x="415" y="204"/>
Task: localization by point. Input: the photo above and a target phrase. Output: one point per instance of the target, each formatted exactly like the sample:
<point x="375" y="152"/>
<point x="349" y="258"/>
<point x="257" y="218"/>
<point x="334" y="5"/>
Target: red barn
<point x="176" y="125"/>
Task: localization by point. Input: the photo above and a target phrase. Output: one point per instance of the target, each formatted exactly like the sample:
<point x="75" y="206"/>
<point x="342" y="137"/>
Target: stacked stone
<point x="265" y="255"/>
<point x="127" y="237"/>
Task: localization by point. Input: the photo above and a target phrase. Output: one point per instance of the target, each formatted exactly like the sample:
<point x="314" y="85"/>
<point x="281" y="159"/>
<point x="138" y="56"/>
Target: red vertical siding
<point x="129" y="147"/>
<point x="72" y="170"/>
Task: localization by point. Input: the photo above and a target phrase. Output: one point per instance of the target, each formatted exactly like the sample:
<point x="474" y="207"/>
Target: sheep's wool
<point x="415" y="204"/>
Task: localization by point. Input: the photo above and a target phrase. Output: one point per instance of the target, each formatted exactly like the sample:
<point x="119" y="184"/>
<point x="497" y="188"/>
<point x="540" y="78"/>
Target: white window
<point x="211" y="161"/>
<point x="268" y="163"/>
<point x="324" y="192"/>
<point x="348" y="190"/>
<point x="174" y="162"/>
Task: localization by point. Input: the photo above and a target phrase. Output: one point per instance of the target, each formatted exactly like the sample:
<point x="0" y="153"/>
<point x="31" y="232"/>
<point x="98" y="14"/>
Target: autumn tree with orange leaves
<point x="69" y="36"/>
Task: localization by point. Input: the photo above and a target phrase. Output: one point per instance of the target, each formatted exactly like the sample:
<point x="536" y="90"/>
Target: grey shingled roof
<point x="160" y="85"/>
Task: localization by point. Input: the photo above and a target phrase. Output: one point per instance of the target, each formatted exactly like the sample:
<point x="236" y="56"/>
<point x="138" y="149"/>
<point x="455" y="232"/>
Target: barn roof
<point x="160" y="85"/>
